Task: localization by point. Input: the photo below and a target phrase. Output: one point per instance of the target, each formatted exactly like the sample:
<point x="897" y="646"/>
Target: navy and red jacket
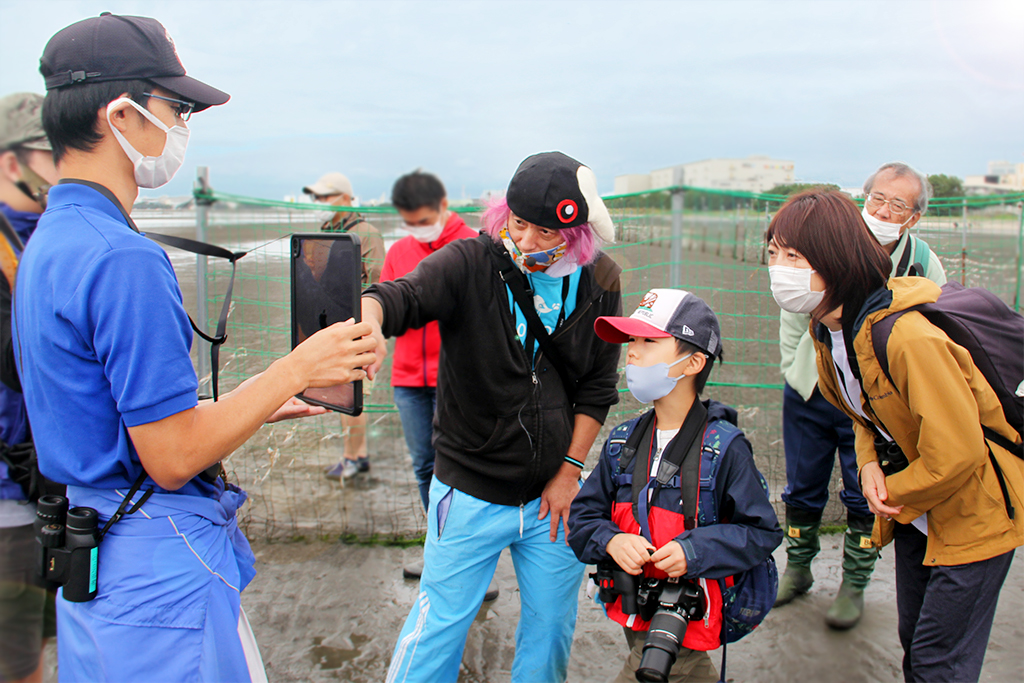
<point x="746" y="534"/>
<point x="414" y="363"/>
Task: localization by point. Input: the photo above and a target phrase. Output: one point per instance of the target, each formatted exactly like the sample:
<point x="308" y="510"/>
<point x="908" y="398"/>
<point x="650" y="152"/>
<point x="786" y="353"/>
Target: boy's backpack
<point x="747" y="601"/>
<point x="992" y="333"/>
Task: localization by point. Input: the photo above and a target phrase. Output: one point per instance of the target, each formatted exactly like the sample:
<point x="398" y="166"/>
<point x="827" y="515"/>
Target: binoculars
<point x="891" y="457"/>
<point x="68" y="552"/>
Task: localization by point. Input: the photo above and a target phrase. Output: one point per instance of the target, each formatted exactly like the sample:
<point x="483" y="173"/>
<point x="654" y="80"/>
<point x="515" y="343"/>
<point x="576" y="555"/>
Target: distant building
<point x="1002" y="176"/>
<point x="633" y="182"/>
<point x="754" y="174"/>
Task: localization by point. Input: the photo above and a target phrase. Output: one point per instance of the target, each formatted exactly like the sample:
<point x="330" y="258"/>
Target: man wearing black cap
<point x="102" y="343"/>
<point x="522" y="389"/>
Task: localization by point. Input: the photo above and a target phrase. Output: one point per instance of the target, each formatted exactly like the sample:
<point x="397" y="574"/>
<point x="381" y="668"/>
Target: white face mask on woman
<point x="153" y="172"/>
<point x="791" y="288"/>
<point x="885" y="233"/>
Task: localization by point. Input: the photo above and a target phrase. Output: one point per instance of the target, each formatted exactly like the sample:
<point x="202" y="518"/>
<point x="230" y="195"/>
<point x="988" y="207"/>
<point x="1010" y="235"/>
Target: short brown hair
<point x="826" y="227"/>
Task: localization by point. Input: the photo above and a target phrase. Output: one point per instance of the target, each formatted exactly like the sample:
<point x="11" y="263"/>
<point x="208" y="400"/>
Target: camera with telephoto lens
<point x="891" y="457"/>
<point x="669" y="604"/>
<point x="678" y="602"/>
<point x="68" y="550"/>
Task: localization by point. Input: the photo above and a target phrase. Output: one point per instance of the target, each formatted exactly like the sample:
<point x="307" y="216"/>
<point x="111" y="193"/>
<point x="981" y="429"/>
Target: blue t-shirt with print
<point x="101" y="339"/>
<point x="547" y="299"/>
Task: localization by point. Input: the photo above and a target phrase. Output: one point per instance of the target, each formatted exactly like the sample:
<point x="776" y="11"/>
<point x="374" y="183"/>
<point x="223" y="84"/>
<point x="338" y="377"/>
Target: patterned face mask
<point x="535" y="261"/>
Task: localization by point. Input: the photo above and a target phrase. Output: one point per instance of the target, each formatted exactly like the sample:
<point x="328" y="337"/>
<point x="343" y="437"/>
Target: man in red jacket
<point x="423" y="205"/>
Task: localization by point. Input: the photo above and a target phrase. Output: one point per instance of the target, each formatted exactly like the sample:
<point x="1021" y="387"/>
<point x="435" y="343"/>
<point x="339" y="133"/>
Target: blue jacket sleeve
<point x="748" y="529"/>
<point x="590" y="515"/>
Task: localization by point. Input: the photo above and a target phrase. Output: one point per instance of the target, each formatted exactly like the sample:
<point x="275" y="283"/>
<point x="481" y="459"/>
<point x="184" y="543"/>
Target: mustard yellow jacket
<point x="934" y="408"/>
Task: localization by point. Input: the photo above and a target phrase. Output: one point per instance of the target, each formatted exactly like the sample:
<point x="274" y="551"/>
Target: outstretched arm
<point x="178" y="447"/>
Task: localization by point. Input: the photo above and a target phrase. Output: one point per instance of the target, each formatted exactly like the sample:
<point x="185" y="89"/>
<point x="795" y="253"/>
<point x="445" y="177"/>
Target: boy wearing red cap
<point x="639" y="508"/>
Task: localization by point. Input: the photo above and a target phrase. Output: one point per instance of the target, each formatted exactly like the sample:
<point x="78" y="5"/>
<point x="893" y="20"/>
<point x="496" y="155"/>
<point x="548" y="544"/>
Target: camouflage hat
<point x="21" y="122"/>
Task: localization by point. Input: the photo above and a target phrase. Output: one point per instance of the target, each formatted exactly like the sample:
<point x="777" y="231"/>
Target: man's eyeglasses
<point x="183" y="109"/>
<point x="897" y="206"/>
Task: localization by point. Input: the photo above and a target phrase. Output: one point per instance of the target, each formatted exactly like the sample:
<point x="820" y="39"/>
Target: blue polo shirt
<point x="101" y="340"/>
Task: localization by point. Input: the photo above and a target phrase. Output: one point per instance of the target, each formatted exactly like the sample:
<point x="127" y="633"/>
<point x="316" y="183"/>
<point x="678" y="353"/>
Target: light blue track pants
<point x="464" y="541"/>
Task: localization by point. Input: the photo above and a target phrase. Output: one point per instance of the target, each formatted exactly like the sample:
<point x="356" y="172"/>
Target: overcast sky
<point x="468" y="89"/>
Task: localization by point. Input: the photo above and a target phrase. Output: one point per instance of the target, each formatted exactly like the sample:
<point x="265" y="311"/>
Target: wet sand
<point x="332" y="612"/>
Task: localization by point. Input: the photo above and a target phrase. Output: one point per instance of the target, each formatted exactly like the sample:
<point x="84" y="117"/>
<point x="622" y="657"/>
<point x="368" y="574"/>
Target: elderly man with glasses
<point x="895" y="198"/>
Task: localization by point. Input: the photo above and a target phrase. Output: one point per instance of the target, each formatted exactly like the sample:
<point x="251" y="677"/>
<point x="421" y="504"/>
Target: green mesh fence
<point x="709" y="242"/>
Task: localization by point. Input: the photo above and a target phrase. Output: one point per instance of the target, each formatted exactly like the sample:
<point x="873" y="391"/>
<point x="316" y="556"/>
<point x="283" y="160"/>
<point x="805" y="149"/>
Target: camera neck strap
<point x="681" y="458"/>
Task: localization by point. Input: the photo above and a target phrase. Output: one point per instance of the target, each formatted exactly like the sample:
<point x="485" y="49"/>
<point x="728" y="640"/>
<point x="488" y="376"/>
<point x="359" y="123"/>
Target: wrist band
<point x="574" y="461"/>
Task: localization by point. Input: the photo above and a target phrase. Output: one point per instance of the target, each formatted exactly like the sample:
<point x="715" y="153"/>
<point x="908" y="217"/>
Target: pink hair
<point x="581" y="244"/>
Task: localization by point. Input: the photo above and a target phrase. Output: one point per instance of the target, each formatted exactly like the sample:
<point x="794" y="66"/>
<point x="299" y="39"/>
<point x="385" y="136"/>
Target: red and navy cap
<point x="115" y="48"/>
<point x="666" y="313"/>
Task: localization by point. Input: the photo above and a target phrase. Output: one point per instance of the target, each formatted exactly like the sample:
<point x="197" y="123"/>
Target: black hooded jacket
<point x="502" y="428"/>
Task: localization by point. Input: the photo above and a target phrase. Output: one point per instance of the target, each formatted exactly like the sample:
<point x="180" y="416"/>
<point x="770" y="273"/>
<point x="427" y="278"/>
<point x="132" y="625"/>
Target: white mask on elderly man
<point x="885" y="233"/>
<point x="791" y="288"/>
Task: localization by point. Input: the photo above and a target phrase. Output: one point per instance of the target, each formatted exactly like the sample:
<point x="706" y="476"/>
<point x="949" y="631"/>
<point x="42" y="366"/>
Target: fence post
<point x="1020" y="254"/>
<point x="963" y="245"/>
<point x="676" y="251"/>
<point x="202" y="220"/>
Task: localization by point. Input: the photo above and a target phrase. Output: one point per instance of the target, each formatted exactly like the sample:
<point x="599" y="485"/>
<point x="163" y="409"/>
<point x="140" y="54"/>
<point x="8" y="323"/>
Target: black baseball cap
<point x="553" y="190"/>
<point x="114" y="48"/>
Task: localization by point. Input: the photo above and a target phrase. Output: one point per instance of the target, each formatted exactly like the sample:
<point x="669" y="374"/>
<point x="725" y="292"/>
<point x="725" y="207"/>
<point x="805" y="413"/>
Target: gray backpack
<point x="992" y="333"/>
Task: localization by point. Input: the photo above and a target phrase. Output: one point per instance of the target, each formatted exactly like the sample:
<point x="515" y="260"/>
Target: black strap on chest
<point x="346" y="224"/>
<point x="681" y="456"/>
<point x="523" y="296"/>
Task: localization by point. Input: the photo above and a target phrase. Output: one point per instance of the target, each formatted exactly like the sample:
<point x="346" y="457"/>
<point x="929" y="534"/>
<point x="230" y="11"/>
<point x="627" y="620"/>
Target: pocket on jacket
<point x="972" y="513"/>
<point x="500" y="436"/>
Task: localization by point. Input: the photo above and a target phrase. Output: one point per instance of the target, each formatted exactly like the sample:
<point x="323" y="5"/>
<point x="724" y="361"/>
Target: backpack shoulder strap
<point x="718" y="436"/>
<point x="922" y="258"/>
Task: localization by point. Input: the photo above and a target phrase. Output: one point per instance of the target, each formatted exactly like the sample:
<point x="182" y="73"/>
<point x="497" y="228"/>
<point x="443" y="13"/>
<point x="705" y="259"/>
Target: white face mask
<point x="791" y="288"/>
<point x="325" y="215"/>
<point x="425" y="233"/>
<point x="885" y="233"/>
<point x="153" y="172"/>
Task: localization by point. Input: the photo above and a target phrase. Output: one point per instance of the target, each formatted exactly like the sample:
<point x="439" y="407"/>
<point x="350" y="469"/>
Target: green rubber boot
<point x="801" y="548"/>
<point x="859" y="556"/>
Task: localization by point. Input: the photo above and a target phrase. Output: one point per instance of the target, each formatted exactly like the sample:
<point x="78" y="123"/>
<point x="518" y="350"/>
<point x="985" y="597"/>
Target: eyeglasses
<point x="183" y="110"/>
<point x="897" y="206"/>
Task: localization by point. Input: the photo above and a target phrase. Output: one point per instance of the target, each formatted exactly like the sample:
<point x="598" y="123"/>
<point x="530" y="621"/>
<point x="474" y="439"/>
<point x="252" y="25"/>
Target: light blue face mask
<point x="652" y="382"/>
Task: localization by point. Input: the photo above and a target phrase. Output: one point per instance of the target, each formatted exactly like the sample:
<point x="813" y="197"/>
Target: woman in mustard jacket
<point x="954" y="529"/>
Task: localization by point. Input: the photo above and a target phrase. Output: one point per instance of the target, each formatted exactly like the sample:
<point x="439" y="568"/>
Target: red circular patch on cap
<point x="567" y="210"/>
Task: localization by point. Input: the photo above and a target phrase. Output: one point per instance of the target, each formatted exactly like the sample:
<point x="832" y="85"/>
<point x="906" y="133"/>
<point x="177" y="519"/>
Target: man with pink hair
<point x="523" y="388"/>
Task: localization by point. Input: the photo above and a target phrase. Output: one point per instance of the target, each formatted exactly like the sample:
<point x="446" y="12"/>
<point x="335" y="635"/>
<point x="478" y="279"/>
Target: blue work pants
<point x="168" y="594"/>
<point x="416" y="407"/>
<point x="465" y="536"/>
<point x="813" y="431"/>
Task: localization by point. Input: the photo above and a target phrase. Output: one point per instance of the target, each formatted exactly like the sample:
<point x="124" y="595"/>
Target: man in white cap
<point x="334" y="192"/>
